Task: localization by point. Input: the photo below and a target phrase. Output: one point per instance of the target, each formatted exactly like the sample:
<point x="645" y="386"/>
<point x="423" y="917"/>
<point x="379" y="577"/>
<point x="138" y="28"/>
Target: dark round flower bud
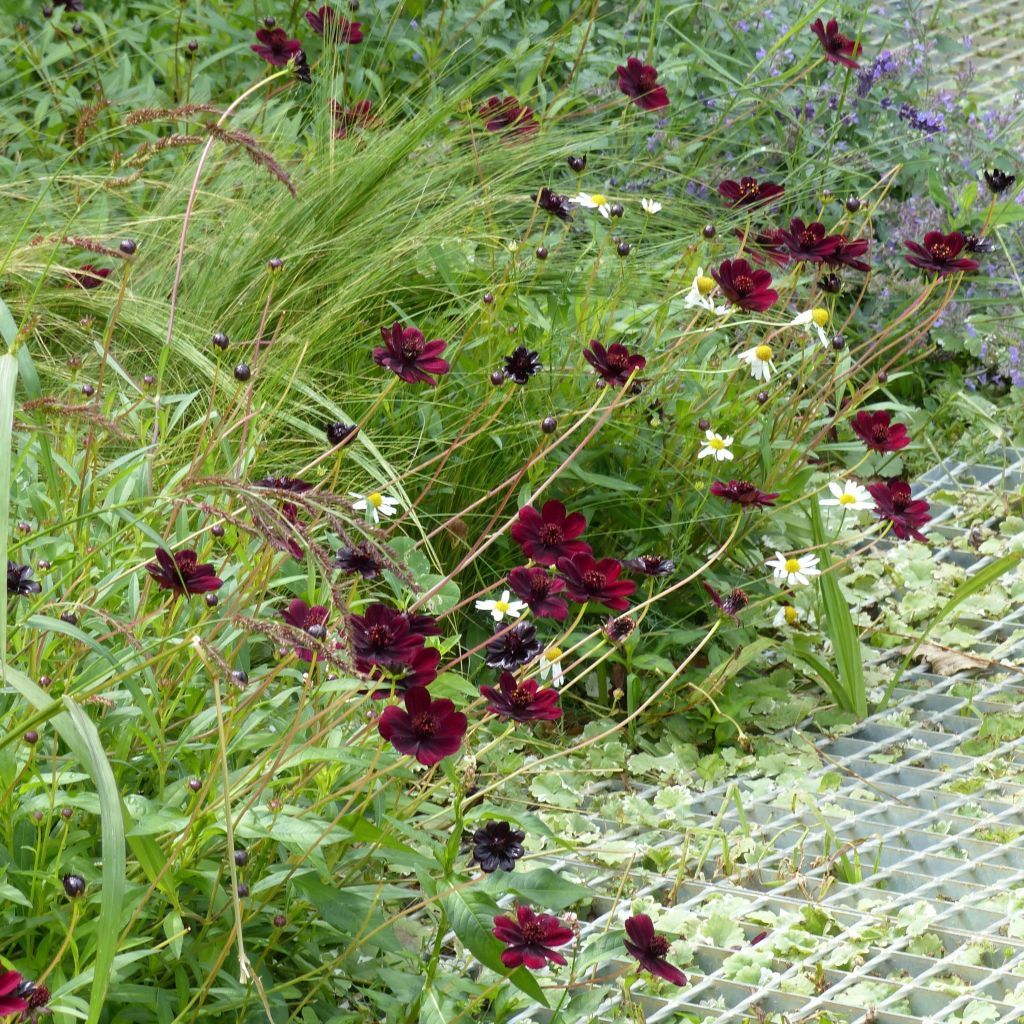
<point x="67" y="813"/>
<point x="578" y="164"/>
<point x="43" y="564"/>
<point x="240" y="677"/>
<point x="353" y="5"/>
<point x="194" y="784"/>
<point x="45" y="682"/>
<point x="88" y="390"/>
<point x="69" y="617"/>
<point x="38" y="816"/>
<point x="274" y="804"/>
<point x="77" y="28"/>
<point x="497" y="378"/>
<point x="826" y="193"/>
<point x="24" y="527"/>
<point x="242" y="372"/>
<point x="542" y="253"/>
<point x="512" y="329"/>
<point x="338" y="432"/>
<point x="703" y="424"/>
<point x="243" y="890"/>
<point x="241" y="858"/>
<point x="488" y="298"/>
<point x="148" y="379"/>
<point x="623" y="248"/>
<point x="74" y="362"/>
<point x="192" y="46"/>
<point x="616" y="209"/>
<point x="31" y="736"/>
<point x="830" y="283"/>
<point x="220" y="340"/>
<point x="128" y="246"/>
<point x="883" y="377"/>
<point x="839" y="343"/>
<point x="318" y="631"/>
<point x="709" y="231"/>
<point x="275" y="263"/>
<point x="211" y="600"/>
<point x="74" y="886"/>
<point x="853" y="204"/>
<point x="549" y="425"/>
<point x="48" y="11"/>
<point x="280" y="920"/>
<point x="217" y="530"/>
<point x="269" y="21"/>
<point x="762" y="397"/>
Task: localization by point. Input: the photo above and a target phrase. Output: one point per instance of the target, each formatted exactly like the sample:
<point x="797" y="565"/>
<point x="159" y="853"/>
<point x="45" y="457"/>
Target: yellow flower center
<point x="376" y="499"/>
<point x="553" y="653"/>
<point x="847" y="499"/>
<point x="792" y="565"/>
<point x="820" y="316"/>
<point x="717" y="443"/>
<point x="792" y="615"/>
<point x="598" y="199"/>
<point x="501" y="606"/>
<point x="764" y="353"/>
<point x="705" y="285"/>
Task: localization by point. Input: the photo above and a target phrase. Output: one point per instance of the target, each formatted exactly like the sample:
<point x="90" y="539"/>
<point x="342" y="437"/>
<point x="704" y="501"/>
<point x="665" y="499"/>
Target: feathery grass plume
<point x="86" y="119"/>
<point x="182" y="113"/>
<point x="259" y="156"/>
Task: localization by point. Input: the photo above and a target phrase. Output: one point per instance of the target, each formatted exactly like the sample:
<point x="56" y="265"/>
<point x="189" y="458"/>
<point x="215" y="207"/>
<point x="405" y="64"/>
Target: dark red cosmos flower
<point x="359" y="115"/>
<point x="530" y="938"/>
<point x="732" y="604"/>
<point x="619" y="630"/>
<point x="651" y="565"/>
<point x="765" y="245"/>
<point x="425" y="625"/>
<point x="359" y="559"/>
<point x="846" y="253"/>
<point x="285" y="483"/>
<point x="419" y="670"/>
<point x="522" y="702"/>
<point x="939" y="253"/>
<point x="19" y="580"/>
<point x="808" y="242"/>
<point x="838" y="48"/>
<point x="311" y="619"/>
<point x="749" y="192"/>
<point x="553" y="203"/>
<point x="893" y="503"/>
<point x="615" y="364"/>
<point x="407" y="353"/>
<point x="522" y="364"/>
<point x="496" y="844"/>
<point x="328" y="23"/>
<point x="639" y="81"/>
<point x="181" y="573"/>
<point x="11" y="1002"/>
<point x="589" y="580"/>
<point x="550" y="534"/>
<point x="505" y="115"/>
<point x="429" y="730"/>
<point x="650" y="949"/>
<point x="744" y="493"/>
<point x="537" y="587"/>
<point x="516" y="646"/>
<point x="275" y="47"/>
<point x="88" y="276"/>
<point x="745" y="287"/>
<point x="878" y="432"/>
<point x="383" y="636"/>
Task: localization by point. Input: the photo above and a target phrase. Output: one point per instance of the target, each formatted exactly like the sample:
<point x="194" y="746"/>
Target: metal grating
<point x="920" y="814"/>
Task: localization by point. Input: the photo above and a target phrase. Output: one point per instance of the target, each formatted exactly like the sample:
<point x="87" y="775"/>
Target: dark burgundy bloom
<point x="972" y="243"/>
<point x="893" y="503"/>
<point x="522" y="364"/>
<point x="620" y="629"/>
<point x="361" y="559"/>
<point x="550" y="534"/>
<point x="419" y="670"/>
<point x="522" y="702"/>
<point x="88" y="276"/>
<point x="181" y="573"/>
<point x="998" y="181"/>
<point x="275" y="47"/>
<point x="505" y="115"/>
<point x="530" y="938"/>
<point x="765" y="245"/>
<point x="589" y="580"/>
<point x="731" y="605"/>
<point x="429" y="730"/>
<point x="285" y="483"/>
<point x="302" y="69"/>
<point x="37" y="995"/>
<point x="311" y="619"/>
<point x="846" y="254"/>
<point x="425" y="625"/>
<point x="838" y="48"/>
<point x="809" y="241"/>
<point x="551" y="202"/>
<point x="513" y="648"/>
<point x="19" y="580"/>
<point x="745" y="287"/>
<point x="651" y="565"/>
<point x="749" y="192"/>
<point x="639" y="81"/>
<point x="878" y="432"/>
<point x="407" y="353"/>
<point x="650" y="949"/>
<point x="10" y="1001"/>
<point x="383" y="636"/>
<point x="338" y="432"/>
<point x="537" y="587"/>
<point x="359" y="115"/>
<point x="939" y="253"/>
<point x="496" y="844"/>
<point x="744" y="493"/>
<point x="328" y="23"/>
<point x="614" y="365"/>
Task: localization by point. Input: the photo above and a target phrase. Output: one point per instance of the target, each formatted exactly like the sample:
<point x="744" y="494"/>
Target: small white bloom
<point x="760" y="360"/>
<point x="717" y="447"/>
<point x="790" y="570"/>
<point x="551" y="664"/>
<point x="700" y="293"/>
<point x="849" y="495"/>
<point x="814" y="320"/>
<point x="594" y="201"/>
<point x="376" y="504"/>
<point x="789" y="615"/>
<point x="512" y="246"/>
<point x="651" y="206"/>
<point x="502" y="607"/>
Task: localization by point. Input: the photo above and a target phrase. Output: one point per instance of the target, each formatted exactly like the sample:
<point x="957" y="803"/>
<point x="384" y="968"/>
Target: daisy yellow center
<point x="791" y="615"/>
<point x="705" y="284"/>
<point x="376" y="499"/>
<point x="764" y="353"/>
<point x="598" y="199"/>
<point x="501" y="606"/>
<point x="792" y="565"/>
<point x="820" y="316"/>
<point x="553" y="653"/>
<point x="717" y="443"/>
<point x="847" y="499"/>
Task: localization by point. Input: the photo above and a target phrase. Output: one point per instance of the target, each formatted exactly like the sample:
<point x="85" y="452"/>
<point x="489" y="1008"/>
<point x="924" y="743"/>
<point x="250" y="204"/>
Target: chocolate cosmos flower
<point x="998" y="181"/>
<point x="550" y="534"/>
<point x="846" y="252"/>
<point x="537" y="587"/>
<point x="429" y="730"/>
<point x="551" y="202"/>
<point x="310" y="619"/>
<point x="808" y="242"/>
<point x="496" y="844"/>
<point x="10" y="1001"/>
<point x="275" y="47"/>
<point x="328" y="23"/>
<point x="19" y="580"/>
<point x="651" y="565"/>
<point x="731" y="605"/>
<point x="522" y="702"/>
<point x="361" y="559"/>
<point x="407" y="353"/>
<point x="419" y="670"/>
<point x="765" y="245"/>
<point x="893" y="503"/>
<point x="878" y="432"/>
<point x="589" y="580"/>
<point x="839" y="49"/>
<point x="383" y="636"/>
<point x="743" y="493"/>
<point x="181" y="573"/>
<point x="745" y="287"/>
<point x="522" y="364"/>
<point x="619" y="630"/>
<point x="505" y="115"/>
<point x="530" y="939"/>
<point x="359" y="115"/>
<point x="749" y="192"/>
<point x="939" y="253"/>
<point x="513" y="648"/>
<point x="425" y="625"/>
<point x="88" y="276"/>
<point x="650" y="949"/>
<point x="639" y="81"/>
<point x="614" y="365"/>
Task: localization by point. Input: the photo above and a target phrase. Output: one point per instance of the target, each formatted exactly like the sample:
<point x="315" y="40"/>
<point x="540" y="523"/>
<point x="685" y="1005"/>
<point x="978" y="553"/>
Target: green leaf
<point x="8" y="381"/>
<point x="543" y="888"/>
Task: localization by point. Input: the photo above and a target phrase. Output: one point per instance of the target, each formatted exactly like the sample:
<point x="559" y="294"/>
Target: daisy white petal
<point x="849" y="495"/>
<point x="651" y="206"/>
<point x="760" y="360"/>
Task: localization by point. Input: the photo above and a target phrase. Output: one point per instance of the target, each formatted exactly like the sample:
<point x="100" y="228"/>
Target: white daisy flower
<point x="700" y="293"/>
<point x="849" y="495"/>
<point x="760" y="360"/>
<point x="814" y="320"/>
<point x="651" y="206"/>
<point x="551" y="664"/>
<point x="790" y="570"/>
<point x="502" y="607"/>
<point x="789" y="615"/>
<point x="376" y="504"/>
<point x="717" y="447"/>
<point x="594" y="201"/>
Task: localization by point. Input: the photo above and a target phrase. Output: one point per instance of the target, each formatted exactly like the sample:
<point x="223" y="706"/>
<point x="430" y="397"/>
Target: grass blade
<point x="8" y="380"/>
